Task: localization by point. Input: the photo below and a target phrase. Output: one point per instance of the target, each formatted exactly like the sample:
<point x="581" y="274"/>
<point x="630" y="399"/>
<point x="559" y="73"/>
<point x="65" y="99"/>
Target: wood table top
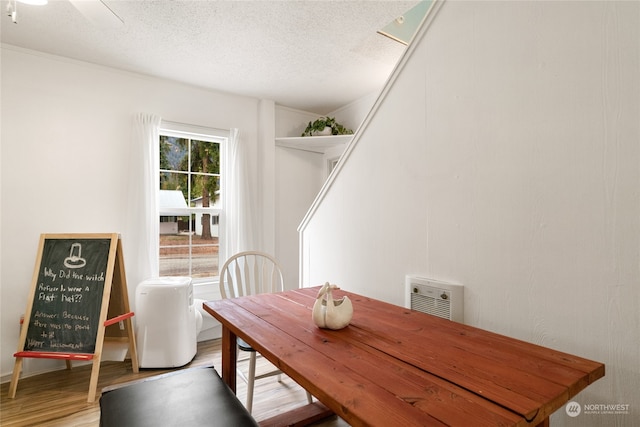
<point x="396" y="366"/>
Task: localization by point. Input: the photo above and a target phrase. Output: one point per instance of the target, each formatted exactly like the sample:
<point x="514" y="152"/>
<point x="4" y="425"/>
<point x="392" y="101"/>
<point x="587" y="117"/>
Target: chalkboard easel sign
<point x="78" y="281"/>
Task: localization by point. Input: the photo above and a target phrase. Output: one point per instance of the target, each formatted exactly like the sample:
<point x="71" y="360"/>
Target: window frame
<point x="206" y="134"/>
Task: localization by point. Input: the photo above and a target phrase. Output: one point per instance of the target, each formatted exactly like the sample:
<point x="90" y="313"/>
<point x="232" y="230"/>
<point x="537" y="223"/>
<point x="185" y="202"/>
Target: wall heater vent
<point x="436" y="298"/>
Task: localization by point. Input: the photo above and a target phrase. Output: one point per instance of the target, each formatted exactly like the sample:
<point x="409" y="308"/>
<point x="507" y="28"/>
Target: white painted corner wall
<point x="65" y="153"/>
<point x="505" y="156"/>
<point x="299" y="177"/>
<point x="298" y="180"/>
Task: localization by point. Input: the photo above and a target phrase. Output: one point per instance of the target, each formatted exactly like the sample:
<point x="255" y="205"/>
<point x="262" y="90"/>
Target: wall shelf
<point x="315" y="144"/>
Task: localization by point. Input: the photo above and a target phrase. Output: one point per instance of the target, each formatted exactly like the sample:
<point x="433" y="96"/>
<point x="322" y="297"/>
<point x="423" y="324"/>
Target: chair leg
<point x="309" y="397"/>
<point x="251" y="380"/>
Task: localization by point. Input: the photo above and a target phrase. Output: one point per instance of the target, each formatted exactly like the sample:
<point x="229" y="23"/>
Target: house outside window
<point x="190" y="201"/>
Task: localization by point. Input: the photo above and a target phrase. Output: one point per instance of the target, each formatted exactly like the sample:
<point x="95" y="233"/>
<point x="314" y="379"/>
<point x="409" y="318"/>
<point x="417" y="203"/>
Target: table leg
<point x="544" y="423"/>
<point x="229" y="358"/>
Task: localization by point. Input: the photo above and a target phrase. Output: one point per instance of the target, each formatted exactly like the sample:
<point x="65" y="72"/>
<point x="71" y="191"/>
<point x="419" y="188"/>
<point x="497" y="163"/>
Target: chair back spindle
<point x="250" y="273"/>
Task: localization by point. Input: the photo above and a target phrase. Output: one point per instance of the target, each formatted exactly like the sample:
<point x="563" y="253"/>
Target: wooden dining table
<point x="395" y="366"/>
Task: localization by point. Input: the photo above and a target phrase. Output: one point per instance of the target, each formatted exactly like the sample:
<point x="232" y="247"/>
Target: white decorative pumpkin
<point x="329" y="313"/>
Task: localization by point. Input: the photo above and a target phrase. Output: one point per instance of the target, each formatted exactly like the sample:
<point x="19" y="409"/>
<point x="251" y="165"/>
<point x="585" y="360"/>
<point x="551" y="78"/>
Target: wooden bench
<point x="189" y="397"/>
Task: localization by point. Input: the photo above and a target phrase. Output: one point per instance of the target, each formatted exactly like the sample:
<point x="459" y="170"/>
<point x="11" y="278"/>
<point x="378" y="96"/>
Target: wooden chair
<point x="251" y="273"/>
<point x="189" y="397"/>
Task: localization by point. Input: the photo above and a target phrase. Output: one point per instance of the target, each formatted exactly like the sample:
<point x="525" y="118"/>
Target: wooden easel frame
<point x="115" y="304"/>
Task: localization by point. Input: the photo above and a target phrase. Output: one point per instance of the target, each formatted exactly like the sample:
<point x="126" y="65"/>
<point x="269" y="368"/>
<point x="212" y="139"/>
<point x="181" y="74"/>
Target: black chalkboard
<point x="78" y="280"/>
<point x="68" y="295"/>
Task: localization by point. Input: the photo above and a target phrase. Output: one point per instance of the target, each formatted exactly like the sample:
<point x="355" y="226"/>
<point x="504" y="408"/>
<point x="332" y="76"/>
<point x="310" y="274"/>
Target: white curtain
<point x="141" y="244"/>
<point x="239" y="214"/>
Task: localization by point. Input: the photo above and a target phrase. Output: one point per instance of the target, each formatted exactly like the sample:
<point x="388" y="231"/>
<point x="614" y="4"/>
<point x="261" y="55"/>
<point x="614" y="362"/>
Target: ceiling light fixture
<point x="12" y="7"/>
<point x="12" y="11"/>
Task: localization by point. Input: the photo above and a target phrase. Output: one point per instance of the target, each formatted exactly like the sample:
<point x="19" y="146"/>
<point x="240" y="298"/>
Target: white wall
<point x="352" y="115"/>
<point x="506" y="157"/>
<point x="300" y="176"/>
<point x="66" y="135"/>
<point x="298" y="179"/>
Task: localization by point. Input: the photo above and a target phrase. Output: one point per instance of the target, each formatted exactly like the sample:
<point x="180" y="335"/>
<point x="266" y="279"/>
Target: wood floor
<point x="60" y="398"/>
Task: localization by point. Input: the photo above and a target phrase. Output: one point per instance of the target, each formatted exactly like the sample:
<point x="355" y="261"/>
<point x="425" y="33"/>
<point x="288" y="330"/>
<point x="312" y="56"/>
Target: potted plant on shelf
<point x="325" y="126"/>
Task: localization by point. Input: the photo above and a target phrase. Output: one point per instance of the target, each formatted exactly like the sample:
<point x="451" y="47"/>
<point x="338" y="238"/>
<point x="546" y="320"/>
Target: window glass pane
<point x="205" y="191"/>
<point x="174" y="264"/>
<point x="177" y="260"/>
<point x="174" y="153"/>
<point x="175" y="181"/>
<point x="174" y="246"/>
<point x="204" y="260"/>
<point x="205" y="157"/>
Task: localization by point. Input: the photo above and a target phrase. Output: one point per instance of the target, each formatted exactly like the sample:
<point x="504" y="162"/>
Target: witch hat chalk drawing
<point x="75" y="260"/>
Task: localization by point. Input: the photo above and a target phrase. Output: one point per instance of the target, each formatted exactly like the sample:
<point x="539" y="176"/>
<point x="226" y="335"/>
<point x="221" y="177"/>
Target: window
<point x="190" y="201"/>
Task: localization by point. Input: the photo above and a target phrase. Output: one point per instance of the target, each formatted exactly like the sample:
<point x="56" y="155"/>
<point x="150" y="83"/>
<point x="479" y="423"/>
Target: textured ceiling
<point x="312" y="55"/>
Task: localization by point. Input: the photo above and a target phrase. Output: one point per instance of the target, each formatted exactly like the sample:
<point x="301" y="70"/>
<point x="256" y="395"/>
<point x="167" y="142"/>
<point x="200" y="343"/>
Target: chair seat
<point x="244" y="346"/>
<point x="190" y="397"/>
